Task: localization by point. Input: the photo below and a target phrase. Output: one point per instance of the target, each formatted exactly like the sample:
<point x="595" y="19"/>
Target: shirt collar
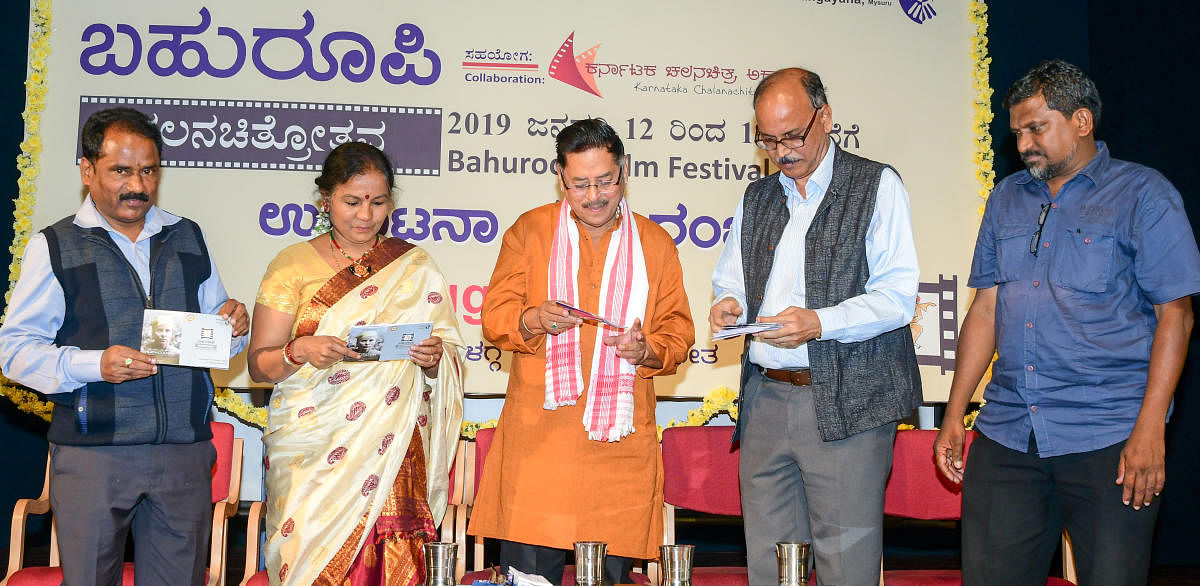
<point x="818" y="182"/>
<point x="89" y="217"/>
<point x="1093" y="170"/>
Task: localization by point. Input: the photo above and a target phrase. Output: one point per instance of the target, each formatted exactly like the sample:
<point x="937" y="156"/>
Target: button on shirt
<point x="1075" y="322"/>
<point x="891" y="290"/>
<point x="36" y="311"/>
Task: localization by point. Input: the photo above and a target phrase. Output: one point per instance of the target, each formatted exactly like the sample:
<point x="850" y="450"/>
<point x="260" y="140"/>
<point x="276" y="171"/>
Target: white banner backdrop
<point x="466" y="98"/>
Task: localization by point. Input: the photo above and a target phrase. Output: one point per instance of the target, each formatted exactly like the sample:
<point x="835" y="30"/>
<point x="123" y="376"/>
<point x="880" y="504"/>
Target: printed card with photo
<point x="186" y="339"/>
<point x="386" y="341"/>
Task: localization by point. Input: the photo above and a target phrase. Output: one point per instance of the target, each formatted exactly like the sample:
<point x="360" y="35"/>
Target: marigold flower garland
<point x="29" y="165"/>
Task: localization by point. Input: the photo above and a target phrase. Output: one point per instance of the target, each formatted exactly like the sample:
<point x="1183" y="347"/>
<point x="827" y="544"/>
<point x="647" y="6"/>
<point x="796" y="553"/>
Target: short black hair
<point x="1065" y="87"/>
<point x="91" y="137"/>
<point x="810" y="80"/>
<point x="587" y="134"/>
<point x="350" y="159"/>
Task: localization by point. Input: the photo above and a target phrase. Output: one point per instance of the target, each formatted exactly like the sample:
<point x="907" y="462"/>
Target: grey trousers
<point x="163" y="493"/>
<point x="796" y="487"/>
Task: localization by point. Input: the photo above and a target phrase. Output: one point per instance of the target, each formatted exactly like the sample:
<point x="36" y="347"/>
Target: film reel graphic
<point x="572" y="69"/>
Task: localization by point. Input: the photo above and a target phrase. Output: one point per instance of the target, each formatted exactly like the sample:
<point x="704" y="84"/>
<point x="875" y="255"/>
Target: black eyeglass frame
<point x="601" y="189"/>
<point x="1037" y="236"/>
<point x="791" y="142"/>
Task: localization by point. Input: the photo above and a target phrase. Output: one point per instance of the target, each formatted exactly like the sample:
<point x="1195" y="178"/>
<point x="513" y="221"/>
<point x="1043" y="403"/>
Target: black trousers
<point x="548" y="562"/>
<point x="162" y="493"/>
<point x="1015" y="506"/>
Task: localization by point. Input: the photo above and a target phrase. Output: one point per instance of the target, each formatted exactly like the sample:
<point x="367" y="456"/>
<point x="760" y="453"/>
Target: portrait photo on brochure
<point x="386" y="341"/>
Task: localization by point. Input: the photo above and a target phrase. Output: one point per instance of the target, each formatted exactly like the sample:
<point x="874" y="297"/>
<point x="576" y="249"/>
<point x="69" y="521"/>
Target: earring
<point x="321" y="223"/>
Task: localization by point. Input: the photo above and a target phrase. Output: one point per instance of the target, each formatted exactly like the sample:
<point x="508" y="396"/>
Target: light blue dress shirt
<point x="891" y="290"/>
<point x="36" y="311"/>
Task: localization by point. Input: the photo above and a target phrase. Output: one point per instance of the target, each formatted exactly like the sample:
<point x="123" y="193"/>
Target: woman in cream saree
<point x="358" y="453"/>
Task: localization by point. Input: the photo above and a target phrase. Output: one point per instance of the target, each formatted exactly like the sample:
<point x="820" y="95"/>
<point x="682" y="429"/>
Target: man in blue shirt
<point x="130" y="436"/>
<point x="1083" y="269"/>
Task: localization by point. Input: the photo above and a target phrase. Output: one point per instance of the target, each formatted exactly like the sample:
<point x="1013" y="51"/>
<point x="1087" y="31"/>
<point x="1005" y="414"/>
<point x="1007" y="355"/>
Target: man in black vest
<point x="823" y="248"/>
<point x="130" y="437"/>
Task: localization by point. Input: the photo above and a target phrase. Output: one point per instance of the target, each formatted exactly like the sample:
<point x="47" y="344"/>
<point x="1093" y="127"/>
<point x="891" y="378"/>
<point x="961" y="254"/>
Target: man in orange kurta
<point x="545" y="483"/>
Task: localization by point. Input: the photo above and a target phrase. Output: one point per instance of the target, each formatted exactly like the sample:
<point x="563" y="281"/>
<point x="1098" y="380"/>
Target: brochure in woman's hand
<point x="386" y="341"/>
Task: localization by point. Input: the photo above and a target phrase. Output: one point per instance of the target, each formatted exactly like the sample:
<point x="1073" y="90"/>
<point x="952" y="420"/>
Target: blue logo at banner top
<point x="286" y="136"/>
<point x="918" y="10"/>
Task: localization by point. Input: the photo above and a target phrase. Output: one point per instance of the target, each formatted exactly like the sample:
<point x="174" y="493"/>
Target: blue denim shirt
<point x="1075" y="322"/>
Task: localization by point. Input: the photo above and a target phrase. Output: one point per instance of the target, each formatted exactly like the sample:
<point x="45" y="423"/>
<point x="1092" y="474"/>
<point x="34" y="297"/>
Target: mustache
<point x="1025" y="156"/>
<point x="138" y="195"/>
<point x="788" y="160"/>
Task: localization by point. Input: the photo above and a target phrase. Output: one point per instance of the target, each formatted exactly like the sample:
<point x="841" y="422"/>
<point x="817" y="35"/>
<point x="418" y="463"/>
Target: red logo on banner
<point x="572" y="69"/>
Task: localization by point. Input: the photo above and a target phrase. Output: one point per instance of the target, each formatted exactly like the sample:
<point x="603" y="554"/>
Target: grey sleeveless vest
<point x="104" y="303"/>
<point x="856" y="386"/>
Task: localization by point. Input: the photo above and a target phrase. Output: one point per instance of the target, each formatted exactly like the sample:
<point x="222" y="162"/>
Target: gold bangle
<point x="521" y="319"/>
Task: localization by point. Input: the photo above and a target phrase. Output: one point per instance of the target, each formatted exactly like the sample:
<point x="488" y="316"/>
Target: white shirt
<point x="37" y="309"/>
<point x="891" y="289"/>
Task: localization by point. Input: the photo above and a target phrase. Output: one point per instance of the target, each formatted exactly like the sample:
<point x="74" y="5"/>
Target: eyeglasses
<point x="603" y="186"/>
<point x="1037" y="236"/>
<point x="767" y="142"/>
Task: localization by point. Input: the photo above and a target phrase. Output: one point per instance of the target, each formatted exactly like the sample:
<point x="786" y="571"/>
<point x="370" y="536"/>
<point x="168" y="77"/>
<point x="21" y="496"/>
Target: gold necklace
<point x="360" y="270"/>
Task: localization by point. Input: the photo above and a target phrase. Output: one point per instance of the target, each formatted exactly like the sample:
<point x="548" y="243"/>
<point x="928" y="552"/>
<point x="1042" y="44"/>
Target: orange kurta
<point x="544" y="482"/>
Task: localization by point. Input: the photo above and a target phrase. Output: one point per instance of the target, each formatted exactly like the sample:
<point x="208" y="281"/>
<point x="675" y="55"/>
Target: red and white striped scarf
<point x="608" y="415"/>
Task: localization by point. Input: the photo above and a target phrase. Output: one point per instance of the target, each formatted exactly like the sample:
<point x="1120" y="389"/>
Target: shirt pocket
<point x="1083" y="260"/>
<point x="1012" y="251"/>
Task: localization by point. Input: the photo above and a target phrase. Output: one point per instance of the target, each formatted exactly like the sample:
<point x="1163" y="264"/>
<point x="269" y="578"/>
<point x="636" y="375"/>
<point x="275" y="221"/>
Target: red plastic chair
<point x="226" y="485"/>
<point x="477" y="456"/>
<point x="700" y="473"/>
<point x="916" y="490"/>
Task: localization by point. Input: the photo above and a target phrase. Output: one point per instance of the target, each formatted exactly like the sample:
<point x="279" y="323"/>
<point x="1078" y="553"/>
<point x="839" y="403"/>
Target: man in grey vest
<point x="130" y="437"/>
<point x="824" y="248"/>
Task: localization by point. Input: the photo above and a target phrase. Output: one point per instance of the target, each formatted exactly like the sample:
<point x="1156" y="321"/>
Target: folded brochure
<point x="588" y="315"/>
<point x="736" y="330"/>
<point x="386" y="341"/>
<point x="186" y="339"/>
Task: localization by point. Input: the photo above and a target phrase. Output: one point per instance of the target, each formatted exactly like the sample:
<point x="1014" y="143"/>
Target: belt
<point x="799" y="378"/>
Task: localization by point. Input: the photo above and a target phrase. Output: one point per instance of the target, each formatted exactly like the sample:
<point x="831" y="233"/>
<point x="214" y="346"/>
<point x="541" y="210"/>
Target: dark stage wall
<point x="1138" y="54"/>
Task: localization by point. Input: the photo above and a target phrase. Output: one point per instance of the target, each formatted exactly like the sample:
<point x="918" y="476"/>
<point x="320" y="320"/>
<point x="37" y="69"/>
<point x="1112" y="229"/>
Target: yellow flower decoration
<point x="470" y="428"/>
<point x="228" y="401"/>
<point x="28" y="163"/>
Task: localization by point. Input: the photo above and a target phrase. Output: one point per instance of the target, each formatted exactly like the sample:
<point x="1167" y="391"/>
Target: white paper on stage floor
<point x="386" y="341"/>
<point x="186" y="339"/>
